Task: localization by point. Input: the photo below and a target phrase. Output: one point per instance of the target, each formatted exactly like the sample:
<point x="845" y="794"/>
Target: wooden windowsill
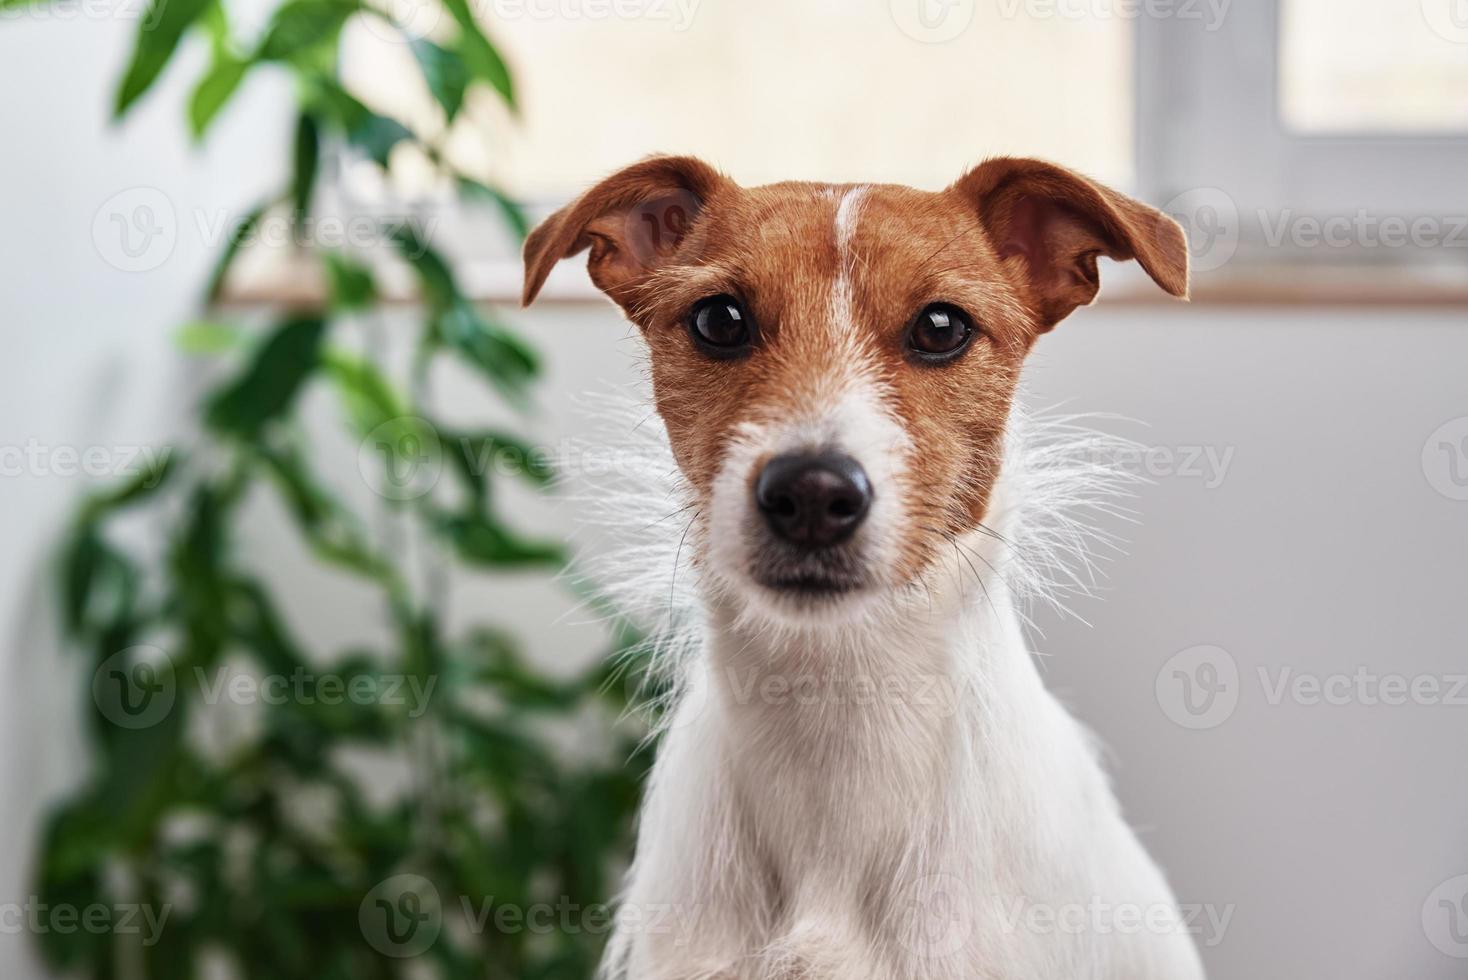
<point x="297" y="284"/>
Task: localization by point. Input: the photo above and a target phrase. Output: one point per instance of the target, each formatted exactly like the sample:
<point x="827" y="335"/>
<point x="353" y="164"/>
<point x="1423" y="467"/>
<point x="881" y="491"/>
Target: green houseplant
<point x="270" y="856"/>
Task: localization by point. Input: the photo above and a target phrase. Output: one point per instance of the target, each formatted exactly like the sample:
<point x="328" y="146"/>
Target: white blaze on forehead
<point x="842" y="405"/>
<point x="847" y="212"/>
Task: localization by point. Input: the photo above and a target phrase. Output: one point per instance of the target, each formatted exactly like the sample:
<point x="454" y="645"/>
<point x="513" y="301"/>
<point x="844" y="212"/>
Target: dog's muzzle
<point x="813" y="500"/>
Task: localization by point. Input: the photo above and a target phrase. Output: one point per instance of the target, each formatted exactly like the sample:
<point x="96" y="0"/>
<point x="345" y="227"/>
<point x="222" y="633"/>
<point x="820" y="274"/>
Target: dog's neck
<point x="849" y="737"/>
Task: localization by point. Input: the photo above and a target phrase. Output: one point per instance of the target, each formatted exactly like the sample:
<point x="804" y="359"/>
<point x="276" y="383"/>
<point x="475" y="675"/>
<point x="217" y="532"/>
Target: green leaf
<point x="497" y="661"/>
<point x="504" y="359"/>
<point x="215" y="22"/>
<point x="237" y="238"/>
<point x="137" y="778"/>
<point x="352" y="285"/>
<point x="334" y="533"/>
<point x="478" y="454"/>
<point x="376" y="136"/>
<point x="301" y="25"/>
<point x="509" y="208"/>
<point x="214" y="90"/>
<point x="268" y="386"/>
<point x="197" y="557"/>
<point x="208" y="337"/>
<point x="307" y="161"/>
<point x="260" y="627"/>
<point x="445" y="73"/>
<point x="479" y="54"/>
<point x="369" y="132"/>
<point x="98" y="582"/>
<point x="435" y="278"/>
<point x="370" y="399"/>
<point x="157" y="469"/>
<point x="482" y="541"/>
<point x="76" y="844"/>
<point x="158" y="35"/>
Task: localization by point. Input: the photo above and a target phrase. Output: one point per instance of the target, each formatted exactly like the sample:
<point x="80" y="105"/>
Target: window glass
<point x="1388" y="66"/>
<point x="912" y="91"/>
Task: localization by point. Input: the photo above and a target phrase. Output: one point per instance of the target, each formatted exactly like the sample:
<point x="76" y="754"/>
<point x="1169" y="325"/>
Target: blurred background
<point x="292" y="684"/>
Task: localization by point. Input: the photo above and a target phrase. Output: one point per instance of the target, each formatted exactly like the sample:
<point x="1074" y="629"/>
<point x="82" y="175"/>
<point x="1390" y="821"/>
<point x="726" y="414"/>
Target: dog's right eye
<point x="720" y="326"/>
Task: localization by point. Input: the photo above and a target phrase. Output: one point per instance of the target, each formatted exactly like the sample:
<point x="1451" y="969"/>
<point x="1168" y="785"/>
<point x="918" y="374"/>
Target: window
<point x="777" y="90"/>
<point x="1384" y="68"/>
<point x="1314" y="129"/>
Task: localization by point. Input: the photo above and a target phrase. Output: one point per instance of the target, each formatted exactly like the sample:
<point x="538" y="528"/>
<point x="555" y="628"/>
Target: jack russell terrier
<point x="863" y="776"/>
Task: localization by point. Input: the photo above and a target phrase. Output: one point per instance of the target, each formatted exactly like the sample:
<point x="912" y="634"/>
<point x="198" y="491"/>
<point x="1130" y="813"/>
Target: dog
<point x="863" y="776"/>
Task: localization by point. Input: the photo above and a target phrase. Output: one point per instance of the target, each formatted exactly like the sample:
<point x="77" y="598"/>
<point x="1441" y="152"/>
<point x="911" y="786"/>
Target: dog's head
<point x="835" y="364"/>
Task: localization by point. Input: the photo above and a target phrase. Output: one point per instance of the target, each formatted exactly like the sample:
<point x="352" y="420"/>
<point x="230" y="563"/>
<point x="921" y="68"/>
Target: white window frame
<point x="1210" y="135"/>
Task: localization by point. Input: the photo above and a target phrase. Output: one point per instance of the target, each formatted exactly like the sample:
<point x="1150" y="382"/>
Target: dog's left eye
<point x="720" y="326"/>
<point x="940" y="331"/>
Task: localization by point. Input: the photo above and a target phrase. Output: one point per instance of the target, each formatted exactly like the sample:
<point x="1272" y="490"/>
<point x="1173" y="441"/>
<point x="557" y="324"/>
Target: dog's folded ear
<point x="631" y="221"/>
<point x="1056" y="222"/>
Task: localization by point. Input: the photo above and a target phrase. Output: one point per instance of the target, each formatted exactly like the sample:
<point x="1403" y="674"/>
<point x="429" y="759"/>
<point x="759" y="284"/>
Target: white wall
<point x="1325" y="548"/>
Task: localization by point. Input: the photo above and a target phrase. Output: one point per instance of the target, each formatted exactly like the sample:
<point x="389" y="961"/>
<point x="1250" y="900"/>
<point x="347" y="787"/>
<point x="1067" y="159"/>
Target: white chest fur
<point x="888" y="804"/>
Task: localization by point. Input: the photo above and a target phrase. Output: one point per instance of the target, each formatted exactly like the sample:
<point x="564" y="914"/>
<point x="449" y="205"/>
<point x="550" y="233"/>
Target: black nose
<point x="813" y="499"/>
